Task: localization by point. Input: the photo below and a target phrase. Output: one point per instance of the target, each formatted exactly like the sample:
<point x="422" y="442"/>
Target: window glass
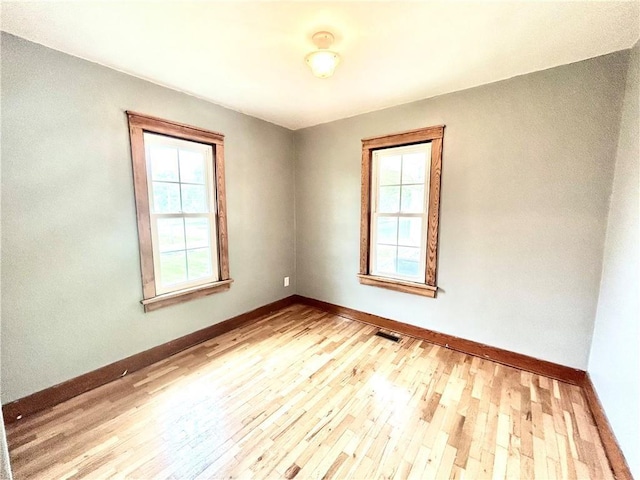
<point x="192" y="167"/>
<point x="399" y="213"/>
<point x="170" y="234"/>
<point x="173" y="267"/>
<point x="182" y="209"/>
<point x="164" y="163"/>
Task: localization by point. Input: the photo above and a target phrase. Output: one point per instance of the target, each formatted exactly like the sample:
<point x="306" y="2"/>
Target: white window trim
<point x="375" y="215"/>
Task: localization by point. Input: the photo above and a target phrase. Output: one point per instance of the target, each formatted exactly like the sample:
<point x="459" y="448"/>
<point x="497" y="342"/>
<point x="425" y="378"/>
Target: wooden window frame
<point x="434" y="135"/>
<point x="138" y="125"/>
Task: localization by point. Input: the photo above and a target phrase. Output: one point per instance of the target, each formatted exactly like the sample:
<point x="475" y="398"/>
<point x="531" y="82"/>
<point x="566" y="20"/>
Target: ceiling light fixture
<point x="323" y="61"/>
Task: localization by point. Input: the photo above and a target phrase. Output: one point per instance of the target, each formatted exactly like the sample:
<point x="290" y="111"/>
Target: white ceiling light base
<point x="322" y="62"/>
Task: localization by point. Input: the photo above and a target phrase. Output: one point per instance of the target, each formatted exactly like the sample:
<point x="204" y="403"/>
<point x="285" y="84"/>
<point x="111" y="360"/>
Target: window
<point x="400" y="210"/>
<point x="180" y="204"/>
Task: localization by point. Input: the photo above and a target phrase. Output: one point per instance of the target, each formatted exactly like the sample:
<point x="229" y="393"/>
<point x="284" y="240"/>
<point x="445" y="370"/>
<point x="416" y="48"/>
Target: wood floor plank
<point x="305" y="394"/>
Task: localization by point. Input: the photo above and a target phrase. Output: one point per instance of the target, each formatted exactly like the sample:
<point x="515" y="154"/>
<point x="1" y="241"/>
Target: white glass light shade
<point x="323" y="62"/>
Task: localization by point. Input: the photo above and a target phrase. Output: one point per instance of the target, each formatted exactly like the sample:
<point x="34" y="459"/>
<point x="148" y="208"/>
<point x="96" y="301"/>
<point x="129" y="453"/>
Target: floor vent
<point x="388" y="336"/>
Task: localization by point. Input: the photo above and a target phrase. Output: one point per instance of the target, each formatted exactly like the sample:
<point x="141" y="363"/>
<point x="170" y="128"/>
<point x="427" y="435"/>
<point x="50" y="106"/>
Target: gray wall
<point x="614" y="364"/>
<point x="5" y="463"/>
<point x="70" y="264"/>
<point x="527" y="173"/>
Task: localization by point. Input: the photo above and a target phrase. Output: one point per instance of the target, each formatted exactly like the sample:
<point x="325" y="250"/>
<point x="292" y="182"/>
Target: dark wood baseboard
<point x="616" y="458"/>
<point x="505" y="357"/>
<point x="64" y="391"/>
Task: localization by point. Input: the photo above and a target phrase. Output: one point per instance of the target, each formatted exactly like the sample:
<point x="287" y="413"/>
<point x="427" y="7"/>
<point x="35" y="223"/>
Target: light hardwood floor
<point x="306" y="394"/>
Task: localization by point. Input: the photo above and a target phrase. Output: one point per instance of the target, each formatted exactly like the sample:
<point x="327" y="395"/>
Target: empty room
<point x="320" y="240"/>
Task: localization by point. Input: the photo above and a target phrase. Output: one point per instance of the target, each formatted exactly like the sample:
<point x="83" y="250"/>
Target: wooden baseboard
<point x="505" y="357"/>
<point x="616" y="458"/>
<point x="64" y="391"/>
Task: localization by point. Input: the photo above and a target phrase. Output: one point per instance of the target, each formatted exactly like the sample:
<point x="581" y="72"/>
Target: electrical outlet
<point x="286" y="281"/>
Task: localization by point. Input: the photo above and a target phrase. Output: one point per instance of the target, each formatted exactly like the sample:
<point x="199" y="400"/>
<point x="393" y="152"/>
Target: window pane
<point x="199" y="263"/>
<point x="387" y="230"/>
<point x="410" y="232"/>
<point x="413" y="165"/>
<point x="164" y="163"/>
<point x="389" y="199"/>
<point x="408" y="261"/>
<point x="194" y="199"/>
<point x="389" y="170"/>
<point x="412" y="199"/>
<point x="166" y="197"/>
<point x="386" y="259"/>
<point x="191" y="167"/>
<point x="170" y="234"/>
<point x="173" y="267"/>
<point x="198" y="233"/>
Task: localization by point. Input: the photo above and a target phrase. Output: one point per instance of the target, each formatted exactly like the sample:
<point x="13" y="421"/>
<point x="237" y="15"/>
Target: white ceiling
<point x="249" y="56"/>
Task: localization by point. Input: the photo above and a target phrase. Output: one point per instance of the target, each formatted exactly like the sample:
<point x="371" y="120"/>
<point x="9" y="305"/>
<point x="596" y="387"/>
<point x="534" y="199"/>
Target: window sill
<point x="172" y="298"/>
<point x="399" y="285"/>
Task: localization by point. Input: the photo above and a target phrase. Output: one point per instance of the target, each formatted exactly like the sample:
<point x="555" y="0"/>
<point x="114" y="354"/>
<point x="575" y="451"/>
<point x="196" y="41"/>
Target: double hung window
<point x="400" y="210"/>
<point x="179" y="188"/>
<point x="182" y="208"/>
